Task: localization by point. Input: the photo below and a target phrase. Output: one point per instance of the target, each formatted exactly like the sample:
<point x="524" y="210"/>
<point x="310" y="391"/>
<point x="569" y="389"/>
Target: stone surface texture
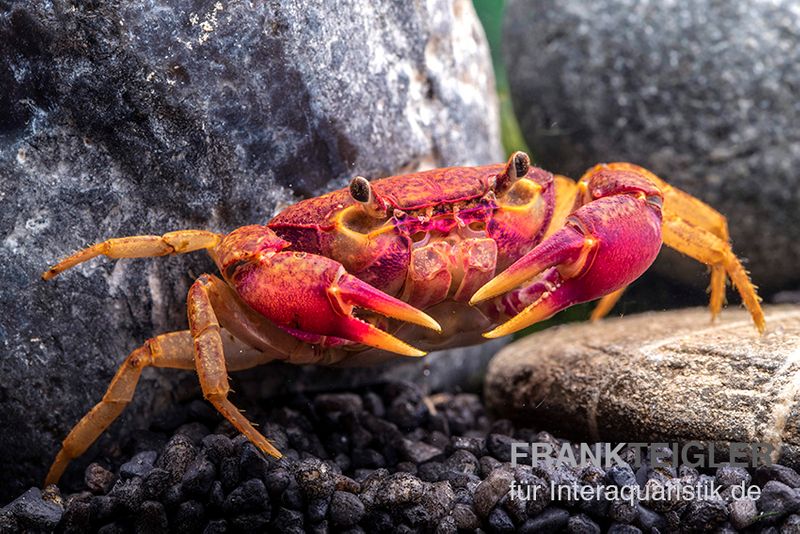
<point x="659" y="377"/>
<point x="124" y="118"/>
<point x="702" y="93"/>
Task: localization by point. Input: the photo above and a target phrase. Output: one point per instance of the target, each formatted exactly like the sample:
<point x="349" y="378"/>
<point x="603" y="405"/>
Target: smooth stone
<point x="702" y="93"/>
<point x="659" y="377"/>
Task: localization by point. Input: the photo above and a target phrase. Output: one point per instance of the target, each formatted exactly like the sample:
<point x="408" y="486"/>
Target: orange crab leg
<point x="174" y="351"/>
<point x="141" y="246"/>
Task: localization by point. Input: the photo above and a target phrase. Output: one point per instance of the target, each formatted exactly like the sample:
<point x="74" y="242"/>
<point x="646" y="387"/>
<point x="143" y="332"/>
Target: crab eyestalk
<point x="362" y="192"/>
<point x="517" y="167"/>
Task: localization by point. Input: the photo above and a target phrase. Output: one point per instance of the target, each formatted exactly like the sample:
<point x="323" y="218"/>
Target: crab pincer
<point x="313" y="297"/>
<point x="608" y="242"/>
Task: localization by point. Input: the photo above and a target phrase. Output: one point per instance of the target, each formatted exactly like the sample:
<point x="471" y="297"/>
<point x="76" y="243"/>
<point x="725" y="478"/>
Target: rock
<point x="582" y="524"/>
<point x="655" y="376"/>
<point x="777" y="500"/>
<point x="138" y="466"/>
<point x="121" y="119"/>
<point x="491" y="490"/>
<point x="34" y="512"/>
<point x="701" y="93"/>
<point x="550" y="520"/>
<point x="743" y="513"/>
<point x="346" y="509"/>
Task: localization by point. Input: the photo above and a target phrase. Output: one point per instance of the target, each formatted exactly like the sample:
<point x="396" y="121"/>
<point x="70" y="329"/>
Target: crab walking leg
<point x="707" y="248"/>
<point x="210" y="364"/>
<point x="172" y="350"/>
<point x="140" y="246"/>
<point x="695" y="212"/>
<point x="606" y="304"/>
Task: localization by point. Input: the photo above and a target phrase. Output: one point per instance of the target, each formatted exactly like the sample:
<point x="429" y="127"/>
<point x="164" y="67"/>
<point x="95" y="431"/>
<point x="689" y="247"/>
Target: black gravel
<point x="383" y="460"/>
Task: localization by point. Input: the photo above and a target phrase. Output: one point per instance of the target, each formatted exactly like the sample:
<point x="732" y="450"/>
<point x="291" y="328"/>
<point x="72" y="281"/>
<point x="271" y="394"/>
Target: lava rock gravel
<point x="388" y="459"/>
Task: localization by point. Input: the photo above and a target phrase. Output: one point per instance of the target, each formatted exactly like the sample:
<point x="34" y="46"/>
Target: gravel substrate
<point x="383" y="460"/>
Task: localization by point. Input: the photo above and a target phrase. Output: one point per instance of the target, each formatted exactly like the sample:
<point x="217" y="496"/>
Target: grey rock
<point x="36" y="513"/>
<point x="582" y="524"/>
<point x="702" y="93"/>
<point x="123" y="119"/>
<point x="777" y="500"/>
<point x="346" y="509"/>
<point x="743" y="513"/>
<point x="491" y="490"/>
<point x="550" y="520"/>
<point x="138" y="466"/>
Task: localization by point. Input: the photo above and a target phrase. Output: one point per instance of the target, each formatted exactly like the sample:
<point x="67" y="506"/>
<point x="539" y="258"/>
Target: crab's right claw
<point x="314" y="296"/>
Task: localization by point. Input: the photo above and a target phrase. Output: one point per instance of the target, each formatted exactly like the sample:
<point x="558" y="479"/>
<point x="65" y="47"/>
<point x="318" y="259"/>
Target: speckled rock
<point x="137" y="117"/>
<point x="703" y="93"/>
<point x="658" y="376"/>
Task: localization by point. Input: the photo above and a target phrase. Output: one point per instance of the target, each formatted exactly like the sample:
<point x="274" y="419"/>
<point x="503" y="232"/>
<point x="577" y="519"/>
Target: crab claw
<point x="605" y="245"/>
<point x="313" y="296"/>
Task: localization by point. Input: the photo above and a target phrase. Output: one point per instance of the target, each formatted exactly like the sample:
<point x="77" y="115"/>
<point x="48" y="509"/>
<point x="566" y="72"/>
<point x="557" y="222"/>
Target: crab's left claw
<point x="605" y="245"/>
<point x="313" y="297"/>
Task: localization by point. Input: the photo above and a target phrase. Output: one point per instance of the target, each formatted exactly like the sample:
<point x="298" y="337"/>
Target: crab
<point x="410" y="263"/>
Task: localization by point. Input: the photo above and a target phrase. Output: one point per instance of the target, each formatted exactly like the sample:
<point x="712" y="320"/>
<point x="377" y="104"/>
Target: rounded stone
<point x="702" y="93"/>
<point x="657" y="376"/>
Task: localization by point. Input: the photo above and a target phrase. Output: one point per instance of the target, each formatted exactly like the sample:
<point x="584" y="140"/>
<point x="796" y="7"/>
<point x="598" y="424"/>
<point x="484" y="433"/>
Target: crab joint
<point x="517" y="167"/>
<point x="361" y="191"/>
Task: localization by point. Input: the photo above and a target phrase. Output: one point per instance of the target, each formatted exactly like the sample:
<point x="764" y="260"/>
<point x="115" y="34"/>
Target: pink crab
<point x="427" y="260"/>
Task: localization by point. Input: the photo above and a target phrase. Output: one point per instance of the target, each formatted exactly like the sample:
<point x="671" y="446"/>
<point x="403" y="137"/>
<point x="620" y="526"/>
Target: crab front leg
<point x="310" y="296"/>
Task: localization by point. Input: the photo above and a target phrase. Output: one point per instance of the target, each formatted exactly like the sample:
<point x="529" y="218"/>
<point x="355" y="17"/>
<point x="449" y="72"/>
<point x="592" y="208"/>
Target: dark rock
<point x="500" y="522"/>
<point x="346" y="509"/>
<point x="217" y="526"/>
<point x="704" y="514"/>
<point x="190" y="517"/>
<point x="400" y="488"/>
<point x="499" y="446"/>
<point x="650" y="520"/>
<point x="258" y="522"/>
<point x="791" y="525"/>
<point x="217" y="447"/>
<point x="464" y="517"/>
<point x="550" y="520"/>
<point x="198" y="477"/>
<point x="316" y="478"/>
<point x="733" y="476"/>
<point x="97" y="478"/>
<point x="476" y="446"/>
<point x="152" y="518"/>
<point x="655" y="86"/>
<point x="251" y="496"/>
<point x="743" y="513"/>
<point x="31" y="510"/>
<point x="419" y="451"/>
<point x="128" y="493"/>
<point x="338" y="402"/>
<point x="178" y="454"/>
<point x="277" y="481"/>
<point x="622" y="528"/>
<point x="138" y="466"/>
<point x="623" y="511"/>
<point x="778" y="472"/>
<point x="489" y="492"/>
<point x="778" y="499"/>
<point x="129" y="127"/>
<point x="432" y="471"/>
<point x="582" y="524"/>
<point x="318" y="509"/>
<point x="621" y="475"/>
<point x="287" y="520"/>
<point x="77" y="517"/>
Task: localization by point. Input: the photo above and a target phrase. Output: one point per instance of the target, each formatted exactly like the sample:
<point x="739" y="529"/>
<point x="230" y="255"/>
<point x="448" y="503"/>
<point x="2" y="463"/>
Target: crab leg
<point x="695" y="212"/>
<point x="141" y="246"/>
<point x="174" y="351"/>
<point x="209" y="360"/>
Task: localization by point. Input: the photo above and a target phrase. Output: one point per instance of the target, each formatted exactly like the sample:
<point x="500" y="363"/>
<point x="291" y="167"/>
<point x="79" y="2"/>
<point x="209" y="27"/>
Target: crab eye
<point x="522" y="163"/>
<point x="360" y="189"/>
